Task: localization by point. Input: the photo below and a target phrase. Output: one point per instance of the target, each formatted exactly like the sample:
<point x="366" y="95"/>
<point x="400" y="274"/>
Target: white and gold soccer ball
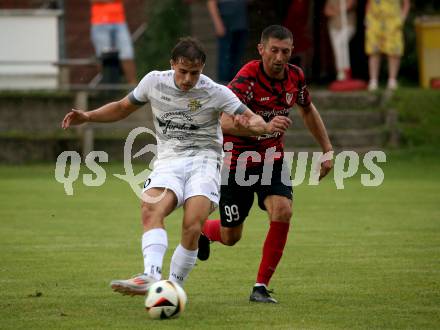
<point x="165" y="299"/>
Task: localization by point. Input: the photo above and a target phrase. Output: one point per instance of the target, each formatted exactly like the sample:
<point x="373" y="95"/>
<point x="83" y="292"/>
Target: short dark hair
<point x="188" y="48"/>
<point x="276" y="31"/>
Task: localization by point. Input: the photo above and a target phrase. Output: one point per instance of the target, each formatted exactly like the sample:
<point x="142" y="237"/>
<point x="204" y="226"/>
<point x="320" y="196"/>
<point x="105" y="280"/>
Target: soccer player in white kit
<point x="186" y="109"/>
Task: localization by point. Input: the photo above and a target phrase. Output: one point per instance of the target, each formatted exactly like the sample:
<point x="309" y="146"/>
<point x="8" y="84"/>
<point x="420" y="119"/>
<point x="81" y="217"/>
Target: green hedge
<point x="419" y="116"/>
<point x="167" y="20"/>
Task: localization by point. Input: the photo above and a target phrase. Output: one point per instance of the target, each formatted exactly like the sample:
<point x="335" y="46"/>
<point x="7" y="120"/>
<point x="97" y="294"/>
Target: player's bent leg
<point x="225" y="235"/>
<point x="156" y="204"/>
<point x="235" y="203"/>
<point x="231" y="235"/>
<point x="154" y="242"/>
<point x="196" y="210"/>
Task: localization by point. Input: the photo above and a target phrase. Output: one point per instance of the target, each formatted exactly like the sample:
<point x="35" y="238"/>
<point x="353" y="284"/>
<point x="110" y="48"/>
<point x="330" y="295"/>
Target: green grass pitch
<point x="358" y="258"/>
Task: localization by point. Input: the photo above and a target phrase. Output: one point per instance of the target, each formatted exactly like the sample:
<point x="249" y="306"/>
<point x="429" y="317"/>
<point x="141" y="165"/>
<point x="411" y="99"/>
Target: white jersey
<point x="186" y="122"/>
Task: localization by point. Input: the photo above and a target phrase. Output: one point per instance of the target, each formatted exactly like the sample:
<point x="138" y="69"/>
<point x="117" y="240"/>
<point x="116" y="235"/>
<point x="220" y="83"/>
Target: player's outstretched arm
<point x="74" y="117"/>
<point x="251" y="124"/>
<point x="314" y="123"/>
<point x="110" y="112"/>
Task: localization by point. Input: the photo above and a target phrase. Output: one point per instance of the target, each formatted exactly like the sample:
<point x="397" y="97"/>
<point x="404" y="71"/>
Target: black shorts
<point x="236" y="200"/>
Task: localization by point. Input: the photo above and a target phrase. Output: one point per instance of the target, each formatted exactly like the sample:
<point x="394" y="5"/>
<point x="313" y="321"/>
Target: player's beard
<point x="277" y="68"/>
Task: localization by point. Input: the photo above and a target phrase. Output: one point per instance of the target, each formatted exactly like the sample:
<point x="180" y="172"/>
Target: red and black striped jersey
<point x="268" y="98"/>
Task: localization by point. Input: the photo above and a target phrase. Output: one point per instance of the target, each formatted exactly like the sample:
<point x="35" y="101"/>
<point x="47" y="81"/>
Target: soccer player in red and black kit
<point x="269" y="87"/>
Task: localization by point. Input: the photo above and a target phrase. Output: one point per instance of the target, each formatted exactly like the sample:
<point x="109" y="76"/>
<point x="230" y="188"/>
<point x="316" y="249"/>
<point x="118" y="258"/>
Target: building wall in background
<point x="76" y="27"/>
<point x="31" y="49"/>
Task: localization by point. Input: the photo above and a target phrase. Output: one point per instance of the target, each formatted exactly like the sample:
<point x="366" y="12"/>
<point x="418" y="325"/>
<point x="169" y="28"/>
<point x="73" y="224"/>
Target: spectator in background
<point x="384" y="22"/>
<point x="110" y="33"/>
<point x="341" y="30"/>
<point x="230" y="18"/>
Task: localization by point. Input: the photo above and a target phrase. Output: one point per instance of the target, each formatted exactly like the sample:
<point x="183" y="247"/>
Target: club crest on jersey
<point x="194" y="105"/>
<point x="289" y="97"/>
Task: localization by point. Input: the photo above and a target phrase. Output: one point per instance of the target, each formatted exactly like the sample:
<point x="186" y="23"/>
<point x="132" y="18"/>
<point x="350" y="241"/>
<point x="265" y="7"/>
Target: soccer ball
<point x="165" y="299"/>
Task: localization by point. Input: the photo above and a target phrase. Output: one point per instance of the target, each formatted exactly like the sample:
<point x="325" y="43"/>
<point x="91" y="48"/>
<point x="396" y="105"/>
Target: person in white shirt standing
<point x="186" y="108"/>
<point x="342" y="27"/>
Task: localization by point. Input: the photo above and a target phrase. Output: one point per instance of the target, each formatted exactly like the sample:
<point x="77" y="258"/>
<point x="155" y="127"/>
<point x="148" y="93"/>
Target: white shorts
<point x="187" y="177"/>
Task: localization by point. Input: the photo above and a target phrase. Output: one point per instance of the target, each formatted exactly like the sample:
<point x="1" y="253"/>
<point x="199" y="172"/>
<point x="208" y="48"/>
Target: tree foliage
<point x="168" y="20"/>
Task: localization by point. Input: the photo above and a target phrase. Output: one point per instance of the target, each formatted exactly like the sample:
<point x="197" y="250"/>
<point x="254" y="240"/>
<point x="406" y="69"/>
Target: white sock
<point x="182" y="262"/>
<point x="341" y="75"/>
<point x="260" y="284"/>
<point x="154" y="246"/>
<point x="392" y="84"/>
<point x="372" y="85"/>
